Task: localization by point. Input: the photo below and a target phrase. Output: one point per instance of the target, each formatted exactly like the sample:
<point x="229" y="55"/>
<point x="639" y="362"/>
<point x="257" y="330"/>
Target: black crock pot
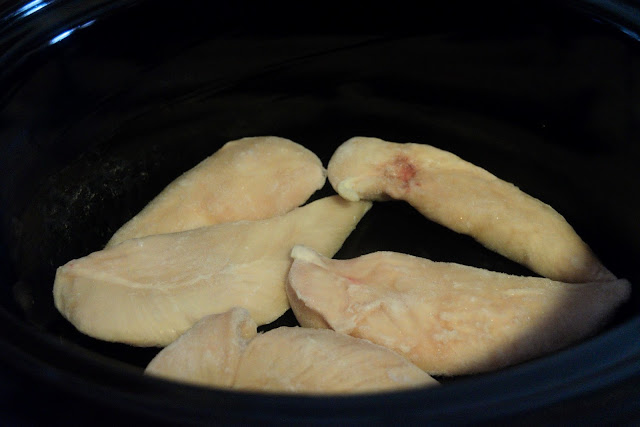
<point x="103" y="103"/>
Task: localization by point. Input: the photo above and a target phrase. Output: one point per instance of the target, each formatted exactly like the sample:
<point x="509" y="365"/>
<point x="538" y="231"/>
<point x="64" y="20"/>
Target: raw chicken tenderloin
<point x="148" y="291"/>
<point x="468" y="200"/>
<point x="224" y="350"/>
<point x="449" y="319"/>
<point x="247" y="179"/>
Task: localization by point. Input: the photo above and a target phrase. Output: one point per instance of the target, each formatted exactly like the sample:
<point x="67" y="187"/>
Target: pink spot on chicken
<point x="406" y="170"/>
<point x="401" y="169"/>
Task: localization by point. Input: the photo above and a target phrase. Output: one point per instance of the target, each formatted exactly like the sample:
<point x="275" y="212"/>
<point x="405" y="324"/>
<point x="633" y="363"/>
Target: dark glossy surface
<point x="93" y="125"/>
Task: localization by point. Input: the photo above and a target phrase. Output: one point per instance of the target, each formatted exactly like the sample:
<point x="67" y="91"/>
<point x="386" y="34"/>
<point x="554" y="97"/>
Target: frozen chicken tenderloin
<point x="148" y="291"/>
<point x="448" y="319"/>
<point x="468" y="200"/>
<point x="224" y="350"/>
<point x="247" y="179"/>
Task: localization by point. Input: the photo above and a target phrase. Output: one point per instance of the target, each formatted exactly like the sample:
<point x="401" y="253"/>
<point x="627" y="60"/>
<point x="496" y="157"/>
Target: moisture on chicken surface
<point x="148" y="291"/>
<point x="225" y="351"/>
<point x="468" y="200"/>
<point x="449" y="319"/>
<point x="247" y="179"/>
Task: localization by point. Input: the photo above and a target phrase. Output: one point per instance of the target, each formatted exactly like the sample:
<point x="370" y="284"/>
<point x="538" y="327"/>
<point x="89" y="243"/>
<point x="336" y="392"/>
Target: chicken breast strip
<point x="449" y="319"/>
<point x="148" y="291"/>
<point x="247" y="179"/>
<point x="225" y="351"/>
<point x="468" y="200"/>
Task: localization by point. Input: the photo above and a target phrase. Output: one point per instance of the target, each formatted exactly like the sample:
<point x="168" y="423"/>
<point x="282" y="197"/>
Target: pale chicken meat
<point x="208" y="353"/>
<point x="225" y="351"/>
<point x="247" y="179"/>
<point x="449" y="319"/>
<point x="147" y="291"/>
<point x="468" y="200"/>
